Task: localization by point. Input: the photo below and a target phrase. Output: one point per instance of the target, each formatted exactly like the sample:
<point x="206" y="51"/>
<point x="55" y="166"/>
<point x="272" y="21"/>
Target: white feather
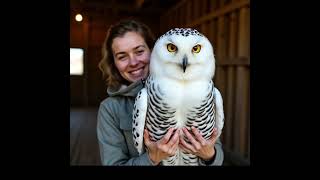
<point x="140" y="110"/>
<point x="219" y="111"/>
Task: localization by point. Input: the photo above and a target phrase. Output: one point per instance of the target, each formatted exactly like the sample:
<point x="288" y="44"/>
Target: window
<point x="76" y="61"/>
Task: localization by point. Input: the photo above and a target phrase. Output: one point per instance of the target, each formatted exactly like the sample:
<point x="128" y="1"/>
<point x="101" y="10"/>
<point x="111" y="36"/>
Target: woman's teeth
<point x="137" y="72"/>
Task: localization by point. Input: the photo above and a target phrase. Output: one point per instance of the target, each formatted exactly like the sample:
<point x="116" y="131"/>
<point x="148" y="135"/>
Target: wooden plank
<point x="204" y="29"/>
<point x="221" y="55"/>
<point x="176" y="18"/>
<point x="182" y="15"/>
<point x="188" y="12"/>
<point x="211" y="33"/>
<point x="226" y="35"/>
<point x="229" y="105"/>
<point x="215" y="34"/>
<point x="226" y="9"/>
<point x="242" y="75"/>
<point x="242" y="97"/>
<point x="166" y="26"/>
<point x="221" y="46"/>
<point x="201" y="8"/>
<point x="233" y="35"/>
<point x="244" y="33"/>
<point x="196" y="10"/>
<point x="172" y="19"/>
<point x="237" y="112"/>
<point x="217" y="50"/>
<point x="212" y="5"/>
<point x="163" y="23"/>
<point x="205" y="7"/>
<point x="218" y="4"/>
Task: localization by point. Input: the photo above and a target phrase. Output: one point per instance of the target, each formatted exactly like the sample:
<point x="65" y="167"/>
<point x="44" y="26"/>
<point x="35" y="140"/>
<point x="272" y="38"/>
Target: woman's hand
<point x="163" y="148"/>
<point x="199" y="146"/>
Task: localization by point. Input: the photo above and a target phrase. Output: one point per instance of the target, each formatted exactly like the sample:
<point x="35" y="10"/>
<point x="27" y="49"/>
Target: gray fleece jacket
<point x="114" y="130"/>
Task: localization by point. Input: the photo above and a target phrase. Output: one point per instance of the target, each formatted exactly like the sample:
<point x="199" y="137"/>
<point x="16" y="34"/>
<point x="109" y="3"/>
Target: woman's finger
<point x="188" y="146"/>
<point x="174" y="139"/>
<point x="198" y="136"/>
<point x="184" y="149"/>
<point x="146" y="138"/>
<point x="174" y="148"/>
<point x="166" y="137"/>
<point x="194" y="143"/>
<point x="214" y="135"/>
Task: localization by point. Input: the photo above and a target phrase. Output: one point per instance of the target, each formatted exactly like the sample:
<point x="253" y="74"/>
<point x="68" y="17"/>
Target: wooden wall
<point x="226" y="23"/>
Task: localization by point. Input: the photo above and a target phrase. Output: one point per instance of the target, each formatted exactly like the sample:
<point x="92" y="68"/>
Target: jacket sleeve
<point x="218" y="157"/>
<point x="112" y="143"/>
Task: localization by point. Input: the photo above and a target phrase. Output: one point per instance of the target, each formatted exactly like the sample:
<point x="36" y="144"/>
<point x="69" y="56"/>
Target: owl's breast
<point x="179" y="96"/>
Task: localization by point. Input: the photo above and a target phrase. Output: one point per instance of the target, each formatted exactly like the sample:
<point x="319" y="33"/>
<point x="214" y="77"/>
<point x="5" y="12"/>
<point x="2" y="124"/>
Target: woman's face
<point x="131" y="55"/>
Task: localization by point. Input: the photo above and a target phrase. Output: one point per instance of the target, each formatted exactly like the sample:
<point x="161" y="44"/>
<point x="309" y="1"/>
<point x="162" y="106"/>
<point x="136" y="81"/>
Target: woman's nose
<point x="133" y="60"/>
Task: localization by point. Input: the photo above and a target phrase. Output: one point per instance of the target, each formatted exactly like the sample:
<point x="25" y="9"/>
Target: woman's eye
<point x="196" y="48"/>
<point x="140" y="52"/>
<point x="122" y="57"/>
<point x="171" y="47"/>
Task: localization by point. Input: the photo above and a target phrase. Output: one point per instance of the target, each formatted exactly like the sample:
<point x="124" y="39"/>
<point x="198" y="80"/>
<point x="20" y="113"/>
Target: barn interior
<point x="226" y="23"/>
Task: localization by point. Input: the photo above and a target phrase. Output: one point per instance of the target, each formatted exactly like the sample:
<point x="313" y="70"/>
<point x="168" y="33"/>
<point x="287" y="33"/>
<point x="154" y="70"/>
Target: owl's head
<point x="183" y="54"/>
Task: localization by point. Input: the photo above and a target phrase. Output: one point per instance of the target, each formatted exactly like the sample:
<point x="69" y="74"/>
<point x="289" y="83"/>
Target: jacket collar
<point x="124" y="90"/>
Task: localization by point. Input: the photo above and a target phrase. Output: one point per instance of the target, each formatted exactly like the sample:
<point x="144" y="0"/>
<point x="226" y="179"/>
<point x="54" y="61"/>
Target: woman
<point x="126" y="55"/>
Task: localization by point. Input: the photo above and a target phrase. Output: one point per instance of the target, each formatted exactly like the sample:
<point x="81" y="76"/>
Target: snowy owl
<point x="179" y="92"/>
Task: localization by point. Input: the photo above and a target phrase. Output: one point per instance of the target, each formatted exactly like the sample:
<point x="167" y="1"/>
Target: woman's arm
<point x="112" y="143"/>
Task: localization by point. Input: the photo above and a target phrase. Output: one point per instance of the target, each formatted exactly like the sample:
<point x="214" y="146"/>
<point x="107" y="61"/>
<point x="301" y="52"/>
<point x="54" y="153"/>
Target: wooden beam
<point x="243" y="77"/>
<point x="224" y="10"/>
<point x="230" y="94"/>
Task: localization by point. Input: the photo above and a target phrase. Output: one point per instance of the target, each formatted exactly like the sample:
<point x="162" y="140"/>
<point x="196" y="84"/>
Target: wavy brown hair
<point x="109" y="70"/>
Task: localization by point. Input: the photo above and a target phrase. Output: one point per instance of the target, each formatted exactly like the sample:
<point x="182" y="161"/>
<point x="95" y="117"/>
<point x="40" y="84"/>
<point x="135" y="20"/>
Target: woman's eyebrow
<point x="119" y="53"/>
<point x="122" y="52"/>
<point x="140" y="46"/>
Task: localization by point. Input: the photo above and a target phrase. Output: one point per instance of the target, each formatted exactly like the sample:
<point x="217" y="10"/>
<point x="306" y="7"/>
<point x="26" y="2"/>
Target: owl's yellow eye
<point x="171" y="47"/>
<point x="196" y="48"/>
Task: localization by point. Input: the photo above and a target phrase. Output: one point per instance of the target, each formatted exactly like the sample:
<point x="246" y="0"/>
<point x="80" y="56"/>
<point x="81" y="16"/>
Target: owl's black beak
<point x="184" y="63"/>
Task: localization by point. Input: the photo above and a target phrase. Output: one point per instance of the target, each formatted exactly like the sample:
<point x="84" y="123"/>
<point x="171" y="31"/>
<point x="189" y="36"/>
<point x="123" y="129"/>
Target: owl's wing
<point x="219" y="111"/>
<point x="139" y="116"/>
